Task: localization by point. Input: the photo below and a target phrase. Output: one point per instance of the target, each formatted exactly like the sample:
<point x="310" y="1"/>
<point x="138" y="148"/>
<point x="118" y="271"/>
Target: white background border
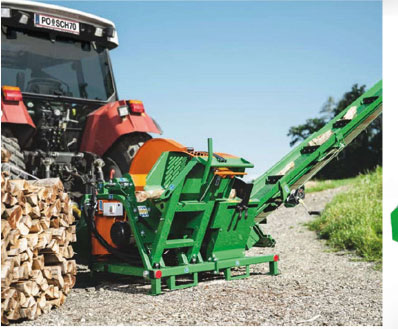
<point x="390" y="159"/>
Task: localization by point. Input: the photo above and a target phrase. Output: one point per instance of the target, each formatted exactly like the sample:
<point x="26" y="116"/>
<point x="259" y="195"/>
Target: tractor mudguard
<point x="15" y="112"/>
<point x="105" y="125"/>
<point x="15" y="115"/>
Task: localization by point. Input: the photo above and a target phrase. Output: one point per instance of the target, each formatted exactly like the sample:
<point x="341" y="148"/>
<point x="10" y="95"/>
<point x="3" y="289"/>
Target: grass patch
<point x="321" y="185"/>
<point x="353" y="219"/>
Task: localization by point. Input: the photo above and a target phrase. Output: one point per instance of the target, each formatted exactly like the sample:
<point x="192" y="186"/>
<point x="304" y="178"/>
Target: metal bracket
<point x="243" y="191"/>
<point x="295" y="197"/>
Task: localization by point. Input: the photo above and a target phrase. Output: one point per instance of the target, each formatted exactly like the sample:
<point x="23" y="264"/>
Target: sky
<point x="242" y="73"/>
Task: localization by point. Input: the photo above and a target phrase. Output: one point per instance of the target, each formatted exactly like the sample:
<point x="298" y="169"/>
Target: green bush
<point x="353" y="219"/>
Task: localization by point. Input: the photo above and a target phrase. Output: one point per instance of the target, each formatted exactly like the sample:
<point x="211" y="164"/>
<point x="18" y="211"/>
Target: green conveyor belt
<point x="304" y="161"/>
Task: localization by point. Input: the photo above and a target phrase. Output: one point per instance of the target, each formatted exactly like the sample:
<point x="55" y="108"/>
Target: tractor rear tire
<point x="17" y="158"/>
<point x="118" y="158"/>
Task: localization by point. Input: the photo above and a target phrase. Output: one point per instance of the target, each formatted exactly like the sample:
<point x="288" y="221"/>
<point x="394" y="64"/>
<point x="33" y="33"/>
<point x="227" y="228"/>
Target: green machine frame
<point x="394" y="223"/>
<point x="198" y="224"/>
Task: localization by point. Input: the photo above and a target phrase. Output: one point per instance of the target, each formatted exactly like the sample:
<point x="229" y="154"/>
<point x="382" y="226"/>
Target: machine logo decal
<point x="55" y="23"/>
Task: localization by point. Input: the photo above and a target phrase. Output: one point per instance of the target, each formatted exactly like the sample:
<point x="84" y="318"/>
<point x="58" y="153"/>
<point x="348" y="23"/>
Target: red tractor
<point x="61" y="115"/>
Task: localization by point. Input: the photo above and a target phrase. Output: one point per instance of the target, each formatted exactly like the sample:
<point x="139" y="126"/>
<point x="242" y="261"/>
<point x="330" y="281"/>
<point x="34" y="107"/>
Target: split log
<point x="36" y="227"/>
<point x="5" y="228"/>
<point x="317" y="141"/>
<point x="32" y="199"/>
<point x="38" y="263"/>
<point x="13" y="215"/>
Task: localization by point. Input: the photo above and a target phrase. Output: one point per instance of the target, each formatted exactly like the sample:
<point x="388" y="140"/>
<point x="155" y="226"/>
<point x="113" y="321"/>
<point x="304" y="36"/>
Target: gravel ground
<point x="316" y="287"/>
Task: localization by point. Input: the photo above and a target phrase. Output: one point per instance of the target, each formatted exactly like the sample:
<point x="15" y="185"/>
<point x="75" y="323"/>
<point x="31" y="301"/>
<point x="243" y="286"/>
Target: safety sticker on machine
<point x="143" y="211"/>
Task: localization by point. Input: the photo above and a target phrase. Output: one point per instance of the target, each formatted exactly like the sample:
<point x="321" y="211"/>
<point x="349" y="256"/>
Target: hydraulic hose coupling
<point x="99" y="164"/>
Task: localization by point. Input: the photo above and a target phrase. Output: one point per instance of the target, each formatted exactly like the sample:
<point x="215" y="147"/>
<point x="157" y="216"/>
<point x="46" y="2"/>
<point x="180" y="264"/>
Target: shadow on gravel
<point x="83" y="280"/>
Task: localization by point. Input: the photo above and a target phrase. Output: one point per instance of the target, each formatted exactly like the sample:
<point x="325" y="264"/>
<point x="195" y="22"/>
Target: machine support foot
<point x="156" y="286"/>
<point x="228" y="275"/>
<point x="273" y="268"/>
<point x="171" y="282"/>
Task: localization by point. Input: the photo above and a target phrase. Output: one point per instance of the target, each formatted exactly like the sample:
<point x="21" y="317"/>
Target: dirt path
<point x="315" y="287"/>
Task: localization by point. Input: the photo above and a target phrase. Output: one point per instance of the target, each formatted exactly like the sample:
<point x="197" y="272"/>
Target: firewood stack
<point x="37" y="228"/>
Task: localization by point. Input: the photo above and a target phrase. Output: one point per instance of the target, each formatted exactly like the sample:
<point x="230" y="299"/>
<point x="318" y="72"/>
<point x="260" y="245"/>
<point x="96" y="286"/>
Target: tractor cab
<point x="58" y="59"/>
<point x="50" y="51"/>
<point x="59" y="98"/>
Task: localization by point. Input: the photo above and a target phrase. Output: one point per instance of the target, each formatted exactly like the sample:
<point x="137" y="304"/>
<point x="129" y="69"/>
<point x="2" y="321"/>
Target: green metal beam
<point x="394" y="222"/>
<point x="306" y="165"/>
<point x="179" y="243"/>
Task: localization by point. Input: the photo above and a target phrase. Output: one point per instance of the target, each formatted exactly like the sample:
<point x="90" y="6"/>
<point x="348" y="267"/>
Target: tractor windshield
<point x="61" y="66"/>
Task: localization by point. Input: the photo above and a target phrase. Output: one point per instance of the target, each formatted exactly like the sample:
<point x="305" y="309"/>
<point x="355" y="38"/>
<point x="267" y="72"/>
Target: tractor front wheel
<point x="119" y="157"/>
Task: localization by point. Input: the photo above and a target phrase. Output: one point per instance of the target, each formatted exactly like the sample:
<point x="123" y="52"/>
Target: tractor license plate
<point x="56" y="23"/>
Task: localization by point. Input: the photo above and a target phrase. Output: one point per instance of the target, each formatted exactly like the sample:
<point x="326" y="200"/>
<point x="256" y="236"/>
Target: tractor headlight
<point x="24" y="18"/>
<point x="123" y="111"/>
<point x="98" y="32"/>
<point x="109" y="32"/>
<point x="5" y="12"/>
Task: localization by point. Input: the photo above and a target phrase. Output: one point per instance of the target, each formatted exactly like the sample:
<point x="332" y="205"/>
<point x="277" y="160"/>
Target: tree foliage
<point x="363" y="153"/>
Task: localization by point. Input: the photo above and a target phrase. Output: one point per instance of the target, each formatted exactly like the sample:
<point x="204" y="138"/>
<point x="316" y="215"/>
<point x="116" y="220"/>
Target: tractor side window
<point x="91" y="67"/>
<point x="14" y="77"/>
